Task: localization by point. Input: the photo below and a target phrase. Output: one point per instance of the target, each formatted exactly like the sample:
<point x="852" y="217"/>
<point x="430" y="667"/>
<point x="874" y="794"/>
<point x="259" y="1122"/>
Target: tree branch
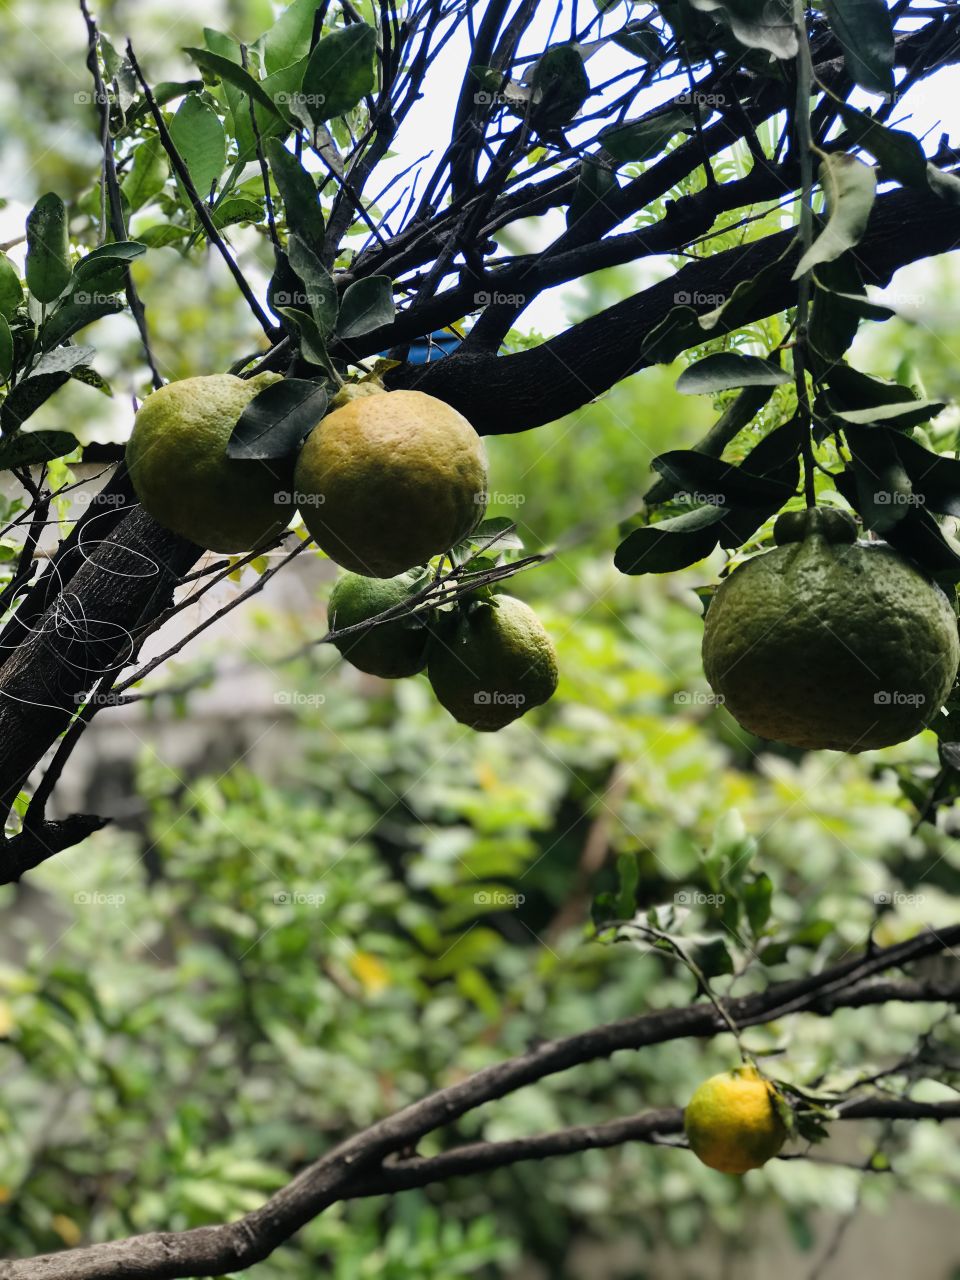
<point x="215" y="1250"/>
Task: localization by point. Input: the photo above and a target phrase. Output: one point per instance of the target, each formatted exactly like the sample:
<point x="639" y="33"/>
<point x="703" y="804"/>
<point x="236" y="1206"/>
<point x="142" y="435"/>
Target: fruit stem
<point x="805" y="147"/>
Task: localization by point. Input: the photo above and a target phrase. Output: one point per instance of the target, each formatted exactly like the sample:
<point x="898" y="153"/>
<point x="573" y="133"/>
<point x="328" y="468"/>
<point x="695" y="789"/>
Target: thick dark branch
<point x="212" y="1251"/>
<point x="505" y="394"/>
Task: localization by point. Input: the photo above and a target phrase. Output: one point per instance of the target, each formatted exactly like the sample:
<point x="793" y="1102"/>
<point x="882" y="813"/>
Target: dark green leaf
<point x="237" y="209"/>
<point x="234" y="73"/>
<point x="366" y="305"/>
<point x="289" y="37"/>
<point x="321" y="291"/>
<point x="641" y="139"/>
<point x="78" y="311"/>
<point x="48" y="265"/>
<point x="884" y="491"/>
<point x="757" y="894"/>
<point x="628" y="874"/>
<point x="498" y="533"/>
<point x="339" y="72"/>
<point x="833" y="320"/>
<point x="909" y="414"/>
<point x="852" y="389"/>
<point x="6" y="350"/>
<point x="671" y="544"/>
<point x="934" y="479"/>
<point x="27" y="396"/>
<point x="919" y="536"/>
<point x="642" y="40"/>
<point x="298" y="192"/>
<point x="712" y="958"/>
<point x="865" y="31"/>
<point x="899" y="153"/>
<point x="162" y="236"/>
<point x="594" y="183"/>
<point x="11" y="291"/>
<point x="708" y="480"/>
<point x="275" y="422"/>
<point x="33" y="447"/>
<point x="311" y="341"/>
<point x="197" y="133"/>
<point x="561" y="86"/>
<point x="726" y="370"/>
<point x="758" y="24"/>
<point x="148" y="174"/>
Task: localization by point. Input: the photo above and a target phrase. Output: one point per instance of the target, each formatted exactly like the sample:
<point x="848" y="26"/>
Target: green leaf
<point x="321" y="290"/>
<point x="27" y="396"/>
<point x="276" y="421"/>
<point x="641" y="139"/>
<point x="234" y="73"/>
<point x="709" y="480"/>
<point x="6" y="350"/>
<point x="148" y="174"/>
<point x="104" y="270"/>
<point x="642" y="40"/>
<point x="33" y="447"/>
<point x="197" y="133"/>
<point x="48" y="264"/>
<point x="758" y="24"/>
<point x="671" y="544"/>
<point x="628" y="875"/>
<point x="289" y="37"/>
<point x="366" y="305"/>
<point x="561" y="86"/>
<point x="298" y="191"/>
<point x="237" y="209"/>
<point x="76" y="313"/>
<point x="899" y="153"/>
<point x="903" y="415"/>
<point x="11" y="291"/>
<point x="726" y="370"/>
<point x="595" y="182"/>
<point x="850" y="187"/>
<point x="312" y="345"/>
<point x="851" y="388"/>
<point x="865" y="31"/>
<point x="498" y="533"/>
<point x="162" y="235"/>
<point x="712" y="958"/>
<point x="757" y="894"/>
<point x="339" y="73"/>
<point x="933" y="480"/>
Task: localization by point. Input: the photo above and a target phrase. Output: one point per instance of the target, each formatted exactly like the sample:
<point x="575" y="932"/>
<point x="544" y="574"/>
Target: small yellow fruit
<point x="387" y="481"/>
<point x="178" y="464"/>
<point x="732" y="1122"/>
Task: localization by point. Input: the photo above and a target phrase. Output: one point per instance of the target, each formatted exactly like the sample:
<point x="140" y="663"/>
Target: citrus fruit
<point x="826" y="642"/>
<point x="732" y="1122"/>
<point x="495" y="665"/>
<point x="392" y="649"/>
<point x="177" y="460"/>
<point x="387" y="481"/>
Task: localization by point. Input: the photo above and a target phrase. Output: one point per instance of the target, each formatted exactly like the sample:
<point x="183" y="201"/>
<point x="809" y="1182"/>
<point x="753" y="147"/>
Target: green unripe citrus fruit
<point x="181" y="473"/>
<point x="826" y="642"/>
<point x="390" y="650"/>
<point x="732" y="1122"/>
<point x="497" y="664"/>
<point x="387" y="481"/>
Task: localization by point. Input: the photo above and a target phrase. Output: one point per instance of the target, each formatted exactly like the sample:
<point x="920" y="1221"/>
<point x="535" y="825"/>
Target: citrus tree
<point x="750" y="140"/>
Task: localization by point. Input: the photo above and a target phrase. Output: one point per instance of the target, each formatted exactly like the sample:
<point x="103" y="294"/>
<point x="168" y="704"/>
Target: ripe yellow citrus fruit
<point x="391" y="650"/>
<point x="732" y="1122"/>
<point x="387" y="481"/>
<point x="177" y="460"/>
<point x="494" y="666"/>
<point x="826" y="642"/>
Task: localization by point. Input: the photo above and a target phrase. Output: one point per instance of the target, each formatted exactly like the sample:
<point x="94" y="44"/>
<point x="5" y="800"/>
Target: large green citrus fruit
<point x="387" y="481"/>
<point x="826" y="642"/>
<point x="390" y="650"/>
<point x="732" y="1122"/>
<point x="495" y="665"/>
<point x="181" y="473"/>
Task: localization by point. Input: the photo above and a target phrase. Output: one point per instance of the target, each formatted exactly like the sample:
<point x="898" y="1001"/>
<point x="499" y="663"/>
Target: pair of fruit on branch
<point x="383" y="483"/>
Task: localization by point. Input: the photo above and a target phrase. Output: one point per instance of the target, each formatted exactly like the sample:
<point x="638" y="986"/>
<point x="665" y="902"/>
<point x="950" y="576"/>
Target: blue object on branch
<point x="425" y="350"/>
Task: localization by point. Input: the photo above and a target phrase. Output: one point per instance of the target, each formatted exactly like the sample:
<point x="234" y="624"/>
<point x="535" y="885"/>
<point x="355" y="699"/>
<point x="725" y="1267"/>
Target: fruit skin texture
<point x="732" y="1122"/>
<point x="391" y="650"/>
<point x="824" y="643"/>
<point x="497" y="665"/>
<point x="182" y="476"/>
<point x="387" y="481"/>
